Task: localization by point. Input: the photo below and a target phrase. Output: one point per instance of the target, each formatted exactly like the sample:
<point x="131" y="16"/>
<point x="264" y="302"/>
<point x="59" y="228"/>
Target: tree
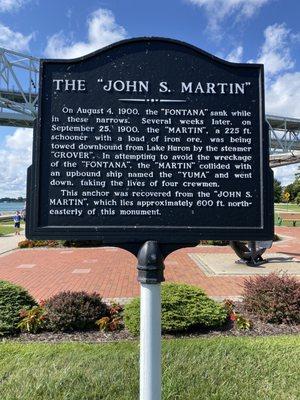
<point x="293" y="189"/>
<point x="277" y="191"/>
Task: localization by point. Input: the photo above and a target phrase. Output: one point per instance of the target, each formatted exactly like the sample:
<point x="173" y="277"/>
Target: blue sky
<point x="265" y="31"/>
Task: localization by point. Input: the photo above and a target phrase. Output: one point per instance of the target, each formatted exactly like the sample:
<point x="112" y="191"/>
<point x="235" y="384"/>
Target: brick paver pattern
<point x="112" y="271"/>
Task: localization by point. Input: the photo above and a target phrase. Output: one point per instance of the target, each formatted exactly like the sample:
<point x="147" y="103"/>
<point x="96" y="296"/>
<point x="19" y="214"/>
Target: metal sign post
<point x="150" y="275"/>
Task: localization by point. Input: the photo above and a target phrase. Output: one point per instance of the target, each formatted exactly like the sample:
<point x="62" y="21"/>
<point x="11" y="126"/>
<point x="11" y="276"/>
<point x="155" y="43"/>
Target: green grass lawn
<point x="7" y="227"/>
<point x="193" y="369"/>
<point x="287" y="207"/>
<point x="280" y="208"/>
<point x="5" y="230"/>
<point x="9" y="222"/>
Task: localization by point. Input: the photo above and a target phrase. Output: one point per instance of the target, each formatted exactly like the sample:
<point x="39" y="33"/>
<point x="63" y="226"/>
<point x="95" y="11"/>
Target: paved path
<point x="112" y="272"/>
<point x="10" y="242"/>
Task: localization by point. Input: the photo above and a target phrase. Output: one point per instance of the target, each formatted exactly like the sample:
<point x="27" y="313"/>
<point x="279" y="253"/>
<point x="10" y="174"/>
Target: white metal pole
<point x="150" y="342"/>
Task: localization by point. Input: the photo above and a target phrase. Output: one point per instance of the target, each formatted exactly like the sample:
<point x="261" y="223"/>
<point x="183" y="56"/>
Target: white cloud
<point x="14" y="40"/>
<point x="282" y="87"/>
<point x="218" y="10"/>
<point x="235" y="55"/>
<point x="11" y="5"/>
<point x="102" y="30"/>
<point x="283" y="95"/>
<point x="15" y="157"/>
<point x="286" y="175"/>
<point x="21" y="139"/>
<point x="275" y="52"/>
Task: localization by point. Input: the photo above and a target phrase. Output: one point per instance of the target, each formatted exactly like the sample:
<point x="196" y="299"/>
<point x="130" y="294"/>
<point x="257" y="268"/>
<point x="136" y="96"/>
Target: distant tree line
<point x="12" y="200"/>
<point x="289" y="193"/>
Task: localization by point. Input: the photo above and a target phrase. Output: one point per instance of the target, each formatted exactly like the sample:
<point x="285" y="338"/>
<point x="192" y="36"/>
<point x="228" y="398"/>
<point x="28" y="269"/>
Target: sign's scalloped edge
<point x="145" y="39"/>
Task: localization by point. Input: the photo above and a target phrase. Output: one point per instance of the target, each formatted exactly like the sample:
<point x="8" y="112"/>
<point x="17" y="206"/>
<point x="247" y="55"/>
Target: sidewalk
<point x="10" y="242"/>
<point x="112" y="271"/>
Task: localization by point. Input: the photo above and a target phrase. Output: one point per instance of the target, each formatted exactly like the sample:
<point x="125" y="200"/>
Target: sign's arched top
<point x="147" y="41"/>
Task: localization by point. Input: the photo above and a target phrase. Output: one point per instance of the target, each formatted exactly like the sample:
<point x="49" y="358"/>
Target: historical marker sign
<point x="150" y="139"/>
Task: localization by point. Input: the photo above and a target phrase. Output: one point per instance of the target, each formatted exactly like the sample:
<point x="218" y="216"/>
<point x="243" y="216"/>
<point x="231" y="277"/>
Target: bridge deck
<point x="283" y="123"/>
<point x="18" y="97"/>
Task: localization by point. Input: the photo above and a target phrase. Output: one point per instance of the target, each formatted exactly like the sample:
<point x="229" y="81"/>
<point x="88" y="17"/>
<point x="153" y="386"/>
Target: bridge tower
<point x="18" y="88"/>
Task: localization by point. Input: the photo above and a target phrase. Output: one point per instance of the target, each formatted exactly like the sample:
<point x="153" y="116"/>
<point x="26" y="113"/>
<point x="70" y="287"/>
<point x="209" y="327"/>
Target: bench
<point x="294" y="217"/>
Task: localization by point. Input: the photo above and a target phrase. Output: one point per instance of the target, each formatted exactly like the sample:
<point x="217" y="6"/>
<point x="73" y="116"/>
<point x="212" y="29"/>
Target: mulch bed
<point x="84" y="337"/>
<point x="259" y="328"/>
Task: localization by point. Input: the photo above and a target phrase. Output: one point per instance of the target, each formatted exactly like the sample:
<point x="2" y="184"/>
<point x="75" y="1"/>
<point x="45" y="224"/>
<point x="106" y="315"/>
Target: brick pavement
<point x="112" y="271"/>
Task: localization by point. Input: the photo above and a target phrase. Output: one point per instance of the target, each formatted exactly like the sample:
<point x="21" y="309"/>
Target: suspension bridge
<point x="19" y="102"/>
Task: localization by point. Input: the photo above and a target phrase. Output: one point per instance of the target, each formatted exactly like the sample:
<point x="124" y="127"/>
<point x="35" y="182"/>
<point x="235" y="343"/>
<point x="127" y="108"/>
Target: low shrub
<point x="240" y="322"/>
<point x="33" y="320"/>
<point x="114" y="319"/>
<point x="229" y="306"/>
<point x="13" y="298"/>
<point x="82" y="243"/>
<point x="214" y="242"/>
<point x="273" y="298"/>
<point x="184" y="307"/>
<point x="69" y="311"/>
<point x="25" y="244"/>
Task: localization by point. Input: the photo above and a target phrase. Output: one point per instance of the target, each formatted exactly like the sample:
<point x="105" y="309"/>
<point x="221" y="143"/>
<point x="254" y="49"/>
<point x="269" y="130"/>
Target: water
<point x="11" y="208"/>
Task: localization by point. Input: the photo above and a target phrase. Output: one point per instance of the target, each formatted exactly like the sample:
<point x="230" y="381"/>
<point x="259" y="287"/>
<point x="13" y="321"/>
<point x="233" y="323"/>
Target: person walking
<point x="17" y="221"/>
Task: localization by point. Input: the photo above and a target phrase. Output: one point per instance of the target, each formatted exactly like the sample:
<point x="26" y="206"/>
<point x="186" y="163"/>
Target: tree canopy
<point x="277" y="191"/>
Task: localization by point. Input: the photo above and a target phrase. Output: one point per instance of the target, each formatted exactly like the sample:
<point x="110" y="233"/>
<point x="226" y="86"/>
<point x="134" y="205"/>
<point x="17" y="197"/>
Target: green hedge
<point x="12" y="299"/>
<point x="183" y="307"/>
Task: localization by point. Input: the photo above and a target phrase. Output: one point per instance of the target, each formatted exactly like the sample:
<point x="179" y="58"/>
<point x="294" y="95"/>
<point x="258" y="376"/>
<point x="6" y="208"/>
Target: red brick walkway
<point x="112" y="272"/>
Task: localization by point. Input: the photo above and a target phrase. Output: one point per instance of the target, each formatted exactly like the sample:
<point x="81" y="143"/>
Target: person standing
<point x="17" y="221"/>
